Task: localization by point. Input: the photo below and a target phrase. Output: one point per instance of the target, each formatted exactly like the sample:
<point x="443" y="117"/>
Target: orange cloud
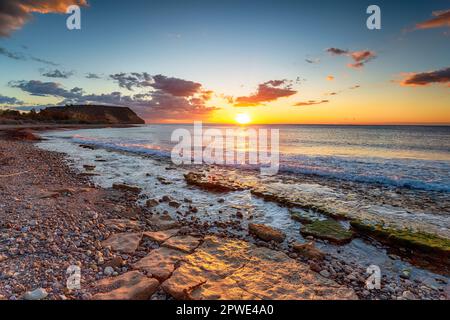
<point x="309" y="103"/>
<point x="267" y="92"/>
<point x="330" y="78"/>
<point x="16" y="13"/>
<point x="441" y="19"/>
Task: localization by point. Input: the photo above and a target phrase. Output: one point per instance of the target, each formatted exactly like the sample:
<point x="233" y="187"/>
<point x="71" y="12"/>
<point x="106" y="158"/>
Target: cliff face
<point x="92" y="114"/>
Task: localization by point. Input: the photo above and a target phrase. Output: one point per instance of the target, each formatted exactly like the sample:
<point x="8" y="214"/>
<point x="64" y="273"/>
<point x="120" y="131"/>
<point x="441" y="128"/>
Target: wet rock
<point x="160" y="263"/>
<point x="302" y="216"/>
<point x="123" y="242"/>
<point x="328" y="230"/>
<point x="37" y="294"/>
<point x="174" y="204"/>
<point x="160" y="236"/>
<point x="89" y="167"/>
<point x="308" y="250"/>
<point x="266" y="233"/>
<point x="235" y="269"/>
<point x="215" y="184"/>
<point x="325" y="273"/>
<point x="132" y="285"/>
<point x="166" y="198"/>
<point x="151" y="203"/>
<point x="126" y="187"/>
<point x="183" y="243"/>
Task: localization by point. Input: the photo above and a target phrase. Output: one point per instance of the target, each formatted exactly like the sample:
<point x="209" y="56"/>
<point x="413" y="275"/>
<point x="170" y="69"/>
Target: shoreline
<point x="70" y="203"/>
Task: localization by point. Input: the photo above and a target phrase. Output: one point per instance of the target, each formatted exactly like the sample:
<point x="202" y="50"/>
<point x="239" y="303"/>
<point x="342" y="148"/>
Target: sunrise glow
<point x="243" y="118"/>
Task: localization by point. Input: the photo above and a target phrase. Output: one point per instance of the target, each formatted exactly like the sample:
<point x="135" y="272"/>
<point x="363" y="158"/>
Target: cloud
<point x="9" y="100"/>
<point x="44" y="89"/>
<point x="21" y="57"/>
<point x="132" y="80"/>
<point x="267" y="92"/>
<point x="12" y="55"/>
<point x="175" y="86"/>
<point x="360" y="58"/>
<point x="58" y="74"/>
<point x="330" y="78"/>
<point x="16" y="13"/>
<point x="355" y="87"/>
<point x="312" y="61"/>
<point x="427" y="78"/>
<point x="91" y="75"/>
<point x="174" y="100"/>
<point x="310" y="103"/>
<point x="441" y="19"/>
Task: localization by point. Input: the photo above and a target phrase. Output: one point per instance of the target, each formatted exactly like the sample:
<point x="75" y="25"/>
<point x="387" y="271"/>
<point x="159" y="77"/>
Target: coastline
<point x="55" y="217"/>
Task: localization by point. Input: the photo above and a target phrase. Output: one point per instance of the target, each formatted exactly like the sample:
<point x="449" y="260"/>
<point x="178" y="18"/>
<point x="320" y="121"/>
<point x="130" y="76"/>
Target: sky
<point x="306" y="62"/>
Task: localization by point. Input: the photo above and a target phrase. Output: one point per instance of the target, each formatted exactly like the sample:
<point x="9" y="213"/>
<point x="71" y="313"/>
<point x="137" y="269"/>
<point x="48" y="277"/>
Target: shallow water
<point x="144" y="169"/>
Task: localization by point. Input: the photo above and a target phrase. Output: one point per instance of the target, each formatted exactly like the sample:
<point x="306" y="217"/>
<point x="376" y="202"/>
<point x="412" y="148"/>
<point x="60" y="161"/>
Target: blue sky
<point x="230" y="47"/>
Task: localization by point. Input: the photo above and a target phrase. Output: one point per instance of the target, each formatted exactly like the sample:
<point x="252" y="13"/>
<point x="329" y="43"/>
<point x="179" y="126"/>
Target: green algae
<point x="329" y="230"/>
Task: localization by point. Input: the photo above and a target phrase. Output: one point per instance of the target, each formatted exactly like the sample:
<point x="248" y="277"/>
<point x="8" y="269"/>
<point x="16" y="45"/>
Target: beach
<point x="179" y="238"/>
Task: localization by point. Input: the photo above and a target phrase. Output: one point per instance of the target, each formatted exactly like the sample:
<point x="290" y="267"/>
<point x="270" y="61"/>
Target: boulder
<point x="266" y="233"/>
<point x="132" y="285"/>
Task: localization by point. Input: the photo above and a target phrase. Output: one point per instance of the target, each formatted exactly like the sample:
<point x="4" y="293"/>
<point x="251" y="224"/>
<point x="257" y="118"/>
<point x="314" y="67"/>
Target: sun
<point x="242" y="118"/>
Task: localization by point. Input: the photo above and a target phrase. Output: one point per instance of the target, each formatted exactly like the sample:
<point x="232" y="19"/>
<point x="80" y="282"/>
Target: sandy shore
<point x="52" y="218"/>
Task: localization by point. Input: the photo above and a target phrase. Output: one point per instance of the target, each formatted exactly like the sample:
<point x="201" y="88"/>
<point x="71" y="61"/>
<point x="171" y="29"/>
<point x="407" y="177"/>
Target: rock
<point x="234" y="269"/>
<point x="3" y="257"/>
<point x="160" y="236"/>
<point x="89" y="167"/>
<point x="108" y="271"/>
<point x="151" y="203"/>
<point x="163" y="222"/>
<point x="406" y="274"/>
<point x="324" y="273"/>
<point x="123" y="224"/>
<point x="266" y="233"/>
<point x="183" y="243"/>
<point x="132" y="285"/>
<point x="123" y="242"/>
<point x="160" y="263"/>
<point x="115" y="262"/>
<point x="174" y="204"/>
<point x="328" y="230"/>
<point x="408" y="295"/>
<point x="308" y="250"/>
<point x="37" y="294"/>
<point x="125" y="187"/>
<point x="302" y="216"/>
<point x="166" y="198"/>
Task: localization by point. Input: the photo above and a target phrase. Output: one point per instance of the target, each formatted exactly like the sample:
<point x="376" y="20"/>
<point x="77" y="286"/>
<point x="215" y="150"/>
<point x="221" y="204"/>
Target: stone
<point x="160" y="236"/>
<point x="151" y="203"/>
<point x="174" y="204"/>
<point x="132" y="285"/>
<point x="329" y="230"/>
<point x="160" y="263"/>
<point x="302" y="216"/>
<point x="108" y="271"/>
<point x="266" y="233"/>
<point x="325" y="273"/>
<point x="89" y="167"/>
<point x="123" y="224"/>
<point x="123" y="242"/>
<point x="37" y="294"/>
<point x="408" y="295"/>
<point x="183" y="243"/>
<point x="3" y="257"/>
<point x="163" y="222"/>
<point x="126" y="187"/>
<point x="234" y="269"/>
<point x="115" y="262"/>
<point x="308" y="250"/>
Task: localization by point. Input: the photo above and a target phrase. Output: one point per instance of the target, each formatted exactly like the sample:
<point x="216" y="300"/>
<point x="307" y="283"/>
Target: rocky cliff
<point x="91" y="114"/>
